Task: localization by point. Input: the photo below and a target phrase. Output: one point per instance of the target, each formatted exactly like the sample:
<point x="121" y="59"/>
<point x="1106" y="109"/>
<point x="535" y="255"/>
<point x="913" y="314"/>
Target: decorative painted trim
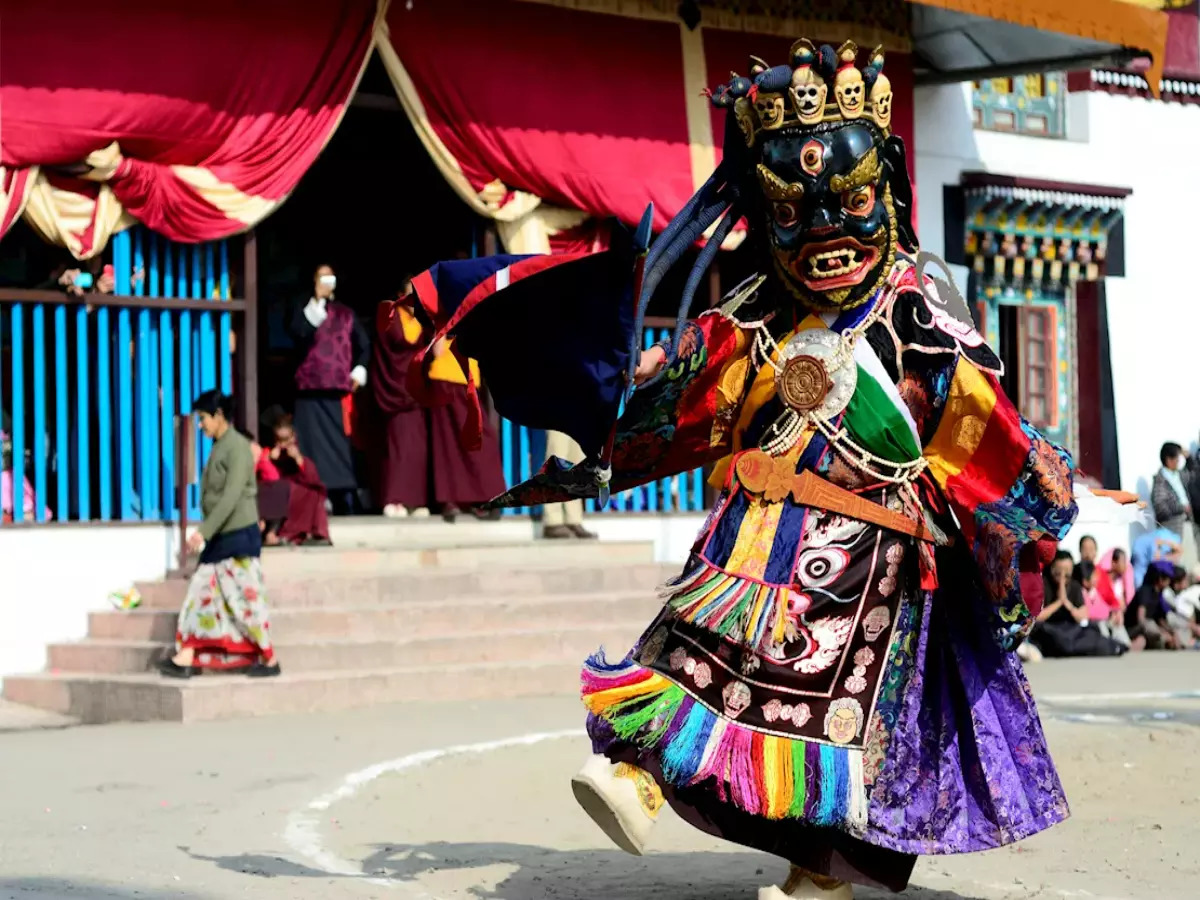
<point x="1059" y="191"/>
<point x="732" y="20"/>
<point x="1025" y="230"/>
<point x="1172" y="89"/>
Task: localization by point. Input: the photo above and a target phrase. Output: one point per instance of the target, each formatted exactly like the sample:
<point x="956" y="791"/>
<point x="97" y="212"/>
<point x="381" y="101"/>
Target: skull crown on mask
<point x="830" y="175"/>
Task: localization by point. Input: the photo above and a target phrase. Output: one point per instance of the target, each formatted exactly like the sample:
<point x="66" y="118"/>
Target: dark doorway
<point x="1009" y="350"/>
<point x="374" y="206"/>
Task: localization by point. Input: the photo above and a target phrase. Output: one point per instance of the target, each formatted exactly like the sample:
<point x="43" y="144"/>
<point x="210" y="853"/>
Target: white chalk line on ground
<point x="303" y="833"/>
<point x="1119" y="697"/>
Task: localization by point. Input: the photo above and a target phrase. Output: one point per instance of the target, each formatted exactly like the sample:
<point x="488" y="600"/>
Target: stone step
<point x="287" y="591"/>
<point x="405" y="558"/>
<point x="377" y="531"/>
<point x="407" y="620"/>
<point x="95" y="699"/>
<point x="100" y="657"/>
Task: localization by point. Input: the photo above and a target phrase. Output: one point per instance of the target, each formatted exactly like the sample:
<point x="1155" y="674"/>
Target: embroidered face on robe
<point x="829" y="213"/>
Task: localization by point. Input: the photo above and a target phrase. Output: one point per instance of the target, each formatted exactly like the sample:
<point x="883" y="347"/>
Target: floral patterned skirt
<point x="224" y="617"/>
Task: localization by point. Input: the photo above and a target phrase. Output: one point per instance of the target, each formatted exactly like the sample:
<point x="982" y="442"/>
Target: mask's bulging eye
<point x="860" y="201"/>
<point x="786" y="215"/>
<point x="812" y="157"/>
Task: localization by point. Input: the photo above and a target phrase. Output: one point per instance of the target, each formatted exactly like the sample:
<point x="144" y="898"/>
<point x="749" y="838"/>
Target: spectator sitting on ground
<point x="8" y="488"/>
<point x="1146" y="614"/>
<point x="1063" y="627"/>
<point x="1160" y="545"/>
<point x="1094" y="602"/>
<point x="1105" y="611"/>
<point x="1181" y="616"/>
<point x="1088" y="549"/>
<point x="1114" y="578"/>
<point x="1187" y="600"/>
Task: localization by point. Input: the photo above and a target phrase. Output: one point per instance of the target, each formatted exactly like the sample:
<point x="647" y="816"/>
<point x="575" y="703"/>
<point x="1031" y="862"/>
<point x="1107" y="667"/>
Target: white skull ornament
<point x="848" y="84"/>
<point x="737" y="698"/>
<point x="881" y="102"/>
<point x="876" y="623"/>
<point x="770" y="111"/>
<point x="808" y="92"/>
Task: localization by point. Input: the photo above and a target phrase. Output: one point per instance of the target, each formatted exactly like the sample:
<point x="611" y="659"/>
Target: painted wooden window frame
<point x="1013" y="105"/>
<point x="1048" y="367"/>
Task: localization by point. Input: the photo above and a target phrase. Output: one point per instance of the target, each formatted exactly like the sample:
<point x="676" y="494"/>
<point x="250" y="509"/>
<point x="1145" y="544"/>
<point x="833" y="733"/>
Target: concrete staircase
<point x="427" y="618"/>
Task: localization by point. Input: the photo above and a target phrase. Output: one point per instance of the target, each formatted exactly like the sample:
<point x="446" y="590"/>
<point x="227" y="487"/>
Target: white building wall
<point x="1154" y="311"/>
<point x="54" y="576"/>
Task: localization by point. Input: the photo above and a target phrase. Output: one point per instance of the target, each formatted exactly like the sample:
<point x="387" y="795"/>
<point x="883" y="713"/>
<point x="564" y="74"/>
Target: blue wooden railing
<point x="523" y="451"/>
<point x="95" y="431"/>
<point x="139" y="361"/>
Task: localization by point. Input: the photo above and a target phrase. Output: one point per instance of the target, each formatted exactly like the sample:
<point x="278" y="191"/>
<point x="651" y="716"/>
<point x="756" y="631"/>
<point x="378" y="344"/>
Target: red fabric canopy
<point x="585" y="110"/>
<point x="199" y="118"/>
<point x="246" y="92"/>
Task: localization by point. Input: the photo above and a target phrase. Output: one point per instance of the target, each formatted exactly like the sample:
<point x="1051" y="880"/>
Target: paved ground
<point x="14" y="717"/>
<point x="270" y="808"/>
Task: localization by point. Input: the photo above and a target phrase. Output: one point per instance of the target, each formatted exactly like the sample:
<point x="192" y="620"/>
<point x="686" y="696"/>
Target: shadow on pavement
<point x="74" y="889"/>
<point x="260" y="865"/>
<point x="545" y="874"/>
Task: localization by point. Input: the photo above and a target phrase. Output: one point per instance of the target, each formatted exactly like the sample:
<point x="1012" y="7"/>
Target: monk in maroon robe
<point x="402" y="469"/>
<point x="424" y="463"/>
<point x="462" y="479"/>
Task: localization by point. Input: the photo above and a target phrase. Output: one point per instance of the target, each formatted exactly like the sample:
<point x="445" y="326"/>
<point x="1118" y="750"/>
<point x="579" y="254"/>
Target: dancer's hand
<point x="649" y="364"/>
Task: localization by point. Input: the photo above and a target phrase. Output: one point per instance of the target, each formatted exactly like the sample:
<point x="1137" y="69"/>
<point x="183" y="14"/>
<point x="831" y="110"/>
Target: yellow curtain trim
<point x="699" y="116"/>
<point x="237" y="205"/>
<point x="60" y="216"/>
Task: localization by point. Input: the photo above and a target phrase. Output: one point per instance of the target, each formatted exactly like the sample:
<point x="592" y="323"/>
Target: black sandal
<point x="172" y="669"/>
<point x="262" y="670"/>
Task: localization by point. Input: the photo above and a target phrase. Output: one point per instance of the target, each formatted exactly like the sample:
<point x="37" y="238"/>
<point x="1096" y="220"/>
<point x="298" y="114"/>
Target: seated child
<point x="306" y="521"/>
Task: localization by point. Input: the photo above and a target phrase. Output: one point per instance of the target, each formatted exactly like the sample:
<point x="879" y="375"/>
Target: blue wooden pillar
<point x="17" y="322"/>
<point x="122" y="263"/>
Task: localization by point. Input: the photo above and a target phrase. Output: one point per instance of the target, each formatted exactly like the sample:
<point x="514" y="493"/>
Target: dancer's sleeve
<point x="676" y="423"/>
<point x="1009" y="487"/>
<point x="683" y="420"/>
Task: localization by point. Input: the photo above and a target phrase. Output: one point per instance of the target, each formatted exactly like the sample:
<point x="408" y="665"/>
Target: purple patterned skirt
<point x="936" y="748"/>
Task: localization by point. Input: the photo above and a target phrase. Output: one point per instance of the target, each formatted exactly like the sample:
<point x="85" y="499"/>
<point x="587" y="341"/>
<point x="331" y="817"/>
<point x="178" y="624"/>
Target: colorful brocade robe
<point x="780" y="667"/>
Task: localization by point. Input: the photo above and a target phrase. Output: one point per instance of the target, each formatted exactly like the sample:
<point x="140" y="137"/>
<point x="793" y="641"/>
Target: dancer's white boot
<point x="622" y="799"/>
<point x="804" y="885"/>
